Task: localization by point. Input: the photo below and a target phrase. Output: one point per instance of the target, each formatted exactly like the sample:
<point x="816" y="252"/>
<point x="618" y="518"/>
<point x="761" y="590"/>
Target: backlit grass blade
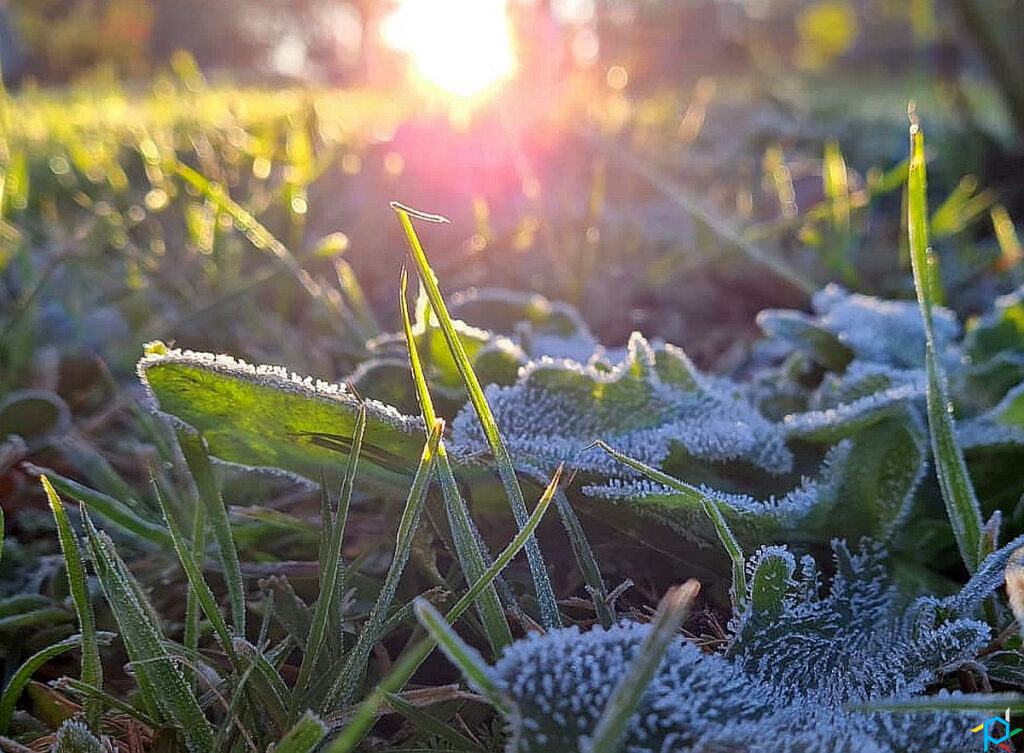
<point x="268" y="686"/>
<point x="331" y="571"/>
<point x="261" y="238"/>
<point x="303" y="737"/>
<point x="502" y="458"/>
<point x="465" y="537"/>
<point x="111" y="510"/>
<point x="194" y="448"/>
<point x="611" y="728"/>
<point x="160" y="681"/>
<point x="461" y="654"/>
<point x="411" y="659"/>
<point x="24" y="673"/>
<point x="950" y="466"/>
<point x="371" y="633"/>
<point x="92" y="667"/>
<point x="711" y="509"/>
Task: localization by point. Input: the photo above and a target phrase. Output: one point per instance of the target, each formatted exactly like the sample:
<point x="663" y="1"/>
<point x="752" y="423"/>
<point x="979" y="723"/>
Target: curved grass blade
<point x="203" y="592"/>
<point x="111" y="510"/>
<point x="711" y="509"/>
<point x="371" y="633"/>
<point x="412" y="658"/>
<point x="31" y="665"/>
<point x="469" y="547"/>
<point x="611" y="728"/>
<point x="951" y="468"/>
<point x="331" y="572"/>
<point x="162" y="685"/>
<point x="461" y="654"/>
<point x="502" y="458"/>
<point x="426" y="722"/>
<point x="92" y="667"/>
<point x="194" y="448"/>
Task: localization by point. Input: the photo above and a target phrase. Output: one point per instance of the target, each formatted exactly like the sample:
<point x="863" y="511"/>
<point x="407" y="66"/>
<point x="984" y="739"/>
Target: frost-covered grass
<point x="237" y="557"/>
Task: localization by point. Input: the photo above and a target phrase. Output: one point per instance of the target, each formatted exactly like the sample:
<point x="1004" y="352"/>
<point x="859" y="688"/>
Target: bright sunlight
<point x="463" y="47"/>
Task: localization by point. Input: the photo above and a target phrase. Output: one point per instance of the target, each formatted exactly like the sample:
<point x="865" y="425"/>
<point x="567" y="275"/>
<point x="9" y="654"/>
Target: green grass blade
<point x="268" y="685"/>
<point x="194" y="447"/>
<point x="331" y="572"/>
<point x="951" y="468"/>
<point x="711" y="509"/>
<point x="92" y="667"/>
<point x="159" y="679"/>
<point x="196" y="581"/>
<point x="427" y="723"/>
<point x="111" y="510"/>
<point x="24" y="673"/>
<point x="105" y="699"/>
<point x="502" y="458"/>
<point x="585" y="559"/>
<point x="411" y="659"/>
<point x="465" y="537"/>
<point x="303" y="737"/>
<point x="355" y="662"/>
<point x="461" y="654"/>
<point x="611" y="727"/>
<point x="192" y="607"/>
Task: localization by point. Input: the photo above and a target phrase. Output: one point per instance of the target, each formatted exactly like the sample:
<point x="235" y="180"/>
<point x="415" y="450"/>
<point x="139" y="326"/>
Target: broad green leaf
<point x="266" y="416"/>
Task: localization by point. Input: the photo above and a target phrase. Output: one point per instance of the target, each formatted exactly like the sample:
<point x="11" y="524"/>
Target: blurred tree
<point x="64" y="38"/>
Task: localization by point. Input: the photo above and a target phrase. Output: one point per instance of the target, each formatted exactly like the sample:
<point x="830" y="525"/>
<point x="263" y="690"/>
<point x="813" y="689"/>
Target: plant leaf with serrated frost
<point x="263" y="415"/>
<point x="648" y="406"/>
<point x="799" y="660"/>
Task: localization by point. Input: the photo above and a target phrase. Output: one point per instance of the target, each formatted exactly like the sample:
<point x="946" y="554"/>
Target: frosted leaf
<point x="539" y="326"/>
<point x="872" y="329"/>
<point x="647" y="406"/>
<point x="805" y="507"/>
<point x="75" y="737"/>
<point x="800" y="661"/>
<point x="855" y="642"/>
<point x="267" y="416"/>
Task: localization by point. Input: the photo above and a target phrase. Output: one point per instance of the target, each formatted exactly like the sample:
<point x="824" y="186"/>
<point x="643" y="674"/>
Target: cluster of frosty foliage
<point x="652" y="402"/>
<point x="798" y="664"/>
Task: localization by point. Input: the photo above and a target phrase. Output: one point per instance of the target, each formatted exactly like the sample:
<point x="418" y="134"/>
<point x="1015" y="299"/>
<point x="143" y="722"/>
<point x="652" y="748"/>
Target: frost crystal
<point x="797" y="660"/>
<point x="648" y="405"/>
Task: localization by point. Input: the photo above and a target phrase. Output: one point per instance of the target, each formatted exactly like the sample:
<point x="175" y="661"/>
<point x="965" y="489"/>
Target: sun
<point x="462" y="47"/>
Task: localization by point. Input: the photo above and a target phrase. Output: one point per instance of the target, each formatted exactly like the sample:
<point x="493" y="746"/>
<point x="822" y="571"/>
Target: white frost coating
<point x="558" y="407"/>
<point x="880" y="330"/>
<point x="787" y="678"/>
<point x="749" y="518"/>
<point x="843" y="418"/>
<point x="276" y="378"/>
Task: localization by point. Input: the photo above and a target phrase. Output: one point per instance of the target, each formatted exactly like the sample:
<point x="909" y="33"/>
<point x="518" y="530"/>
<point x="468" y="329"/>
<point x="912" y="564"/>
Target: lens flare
<point x="462" y="47"/>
